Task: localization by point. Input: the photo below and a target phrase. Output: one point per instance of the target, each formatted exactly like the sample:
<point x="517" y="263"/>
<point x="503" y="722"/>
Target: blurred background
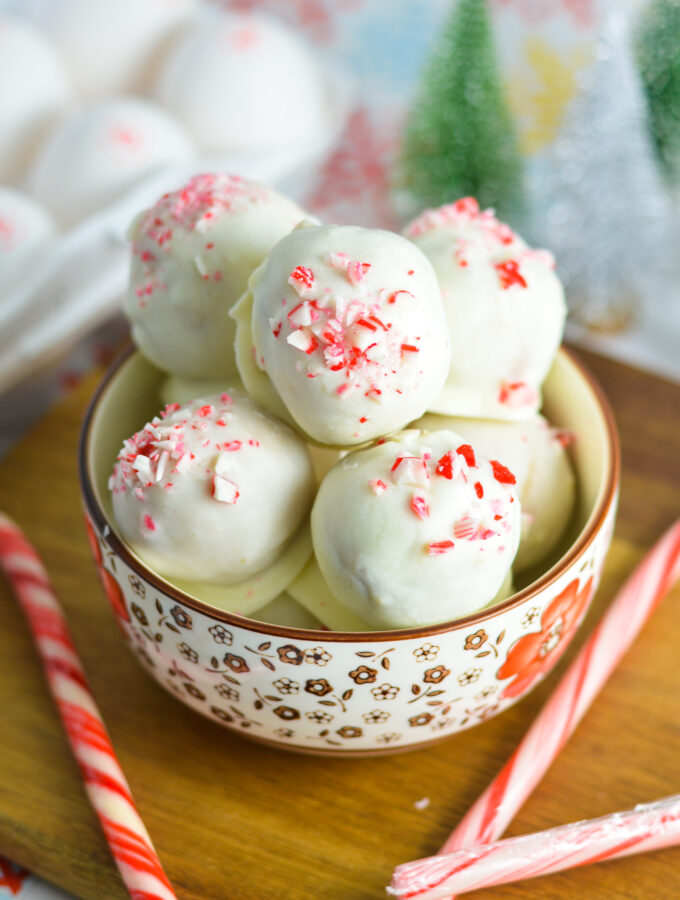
<point x="564" y="115"/>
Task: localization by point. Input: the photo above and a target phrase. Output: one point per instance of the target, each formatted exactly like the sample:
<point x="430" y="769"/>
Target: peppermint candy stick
<point x="490" y="815"/>
<point x="105" y="783"/>
<point x="647" y="827"/>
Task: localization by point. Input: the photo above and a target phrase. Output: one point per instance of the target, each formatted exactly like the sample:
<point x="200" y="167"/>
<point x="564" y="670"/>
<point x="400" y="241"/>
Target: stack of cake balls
<point x="349" y="435"/>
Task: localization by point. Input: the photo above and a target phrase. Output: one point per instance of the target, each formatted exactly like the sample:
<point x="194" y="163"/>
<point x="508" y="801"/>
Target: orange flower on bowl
<point x="534" y="654"/>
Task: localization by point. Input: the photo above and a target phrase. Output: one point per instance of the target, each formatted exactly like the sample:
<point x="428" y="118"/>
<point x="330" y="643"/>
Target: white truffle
<point x="416" y="530"/>
<point x="193" y="253"/>
<point x="101" y="152"/>
<point x="535" y="452"/>
<point x="244" y="82"/>
<point x="27" y="235"/>
<point x="505" y="309"/>
<point x="34" y="92"/>
<point x="113" y="47"/>
<point x="343" y="331"/>
<point x="212" y="491"/>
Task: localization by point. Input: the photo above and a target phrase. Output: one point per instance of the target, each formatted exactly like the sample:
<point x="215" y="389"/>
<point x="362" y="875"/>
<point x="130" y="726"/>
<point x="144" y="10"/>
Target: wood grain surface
<point x="234" y="820"/>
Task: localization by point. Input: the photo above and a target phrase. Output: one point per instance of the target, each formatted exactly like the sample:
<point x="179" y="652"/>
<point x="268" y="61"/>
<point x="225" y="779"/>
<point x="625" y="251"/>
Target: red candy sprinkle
<point x="479" y="490"/>
<point x="231" y="446"/>
<point x="356" y="271"/>
<point x="409" y="348"/>
<point x="419" y="507"/>
<point x="149" y="523"/>
<point x="467" y="205"/>
<point x="467" y="453"/>
<point x="438" y="547"/>
<point x="502" y="473"/>
<point x="509" y="274"/>
<point x="301" y="277"/>
<point x="445" y="466"/>
<point x="205" y="410"/>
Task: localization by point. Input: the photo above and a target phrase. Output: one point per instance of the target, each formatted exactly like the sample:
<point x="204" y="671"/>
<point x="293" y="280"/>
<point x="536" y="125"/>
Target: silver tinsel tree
<point x="601" y="204"/>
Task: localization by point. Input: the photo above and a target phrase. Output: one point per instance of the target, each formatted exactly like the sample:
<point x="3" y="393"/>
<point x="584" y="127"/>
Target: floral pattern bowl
<point x="352" y="693"/>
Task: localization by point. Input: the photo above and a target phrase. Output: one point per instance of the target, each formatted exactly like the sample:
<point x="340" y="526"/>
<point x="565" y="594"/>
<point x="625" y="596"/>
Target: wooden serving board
<point x="233" y="820"/>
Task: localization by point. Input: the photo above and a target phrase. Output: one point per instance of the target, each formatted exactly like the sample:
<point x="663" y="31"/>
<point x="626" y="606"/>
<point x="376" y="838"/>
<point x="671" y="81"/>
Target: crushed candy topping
<point x="509" y="274"/>
<point x="501" y="473"/>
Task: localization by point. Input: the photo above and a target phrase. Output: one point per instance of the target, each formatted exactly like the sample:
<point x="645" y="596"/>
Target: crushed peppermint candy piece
<point x="438" y="548"/>
<point x="377" y="485"/>
<point x="356" y="271"/>
<point x="468" y="454"/>
<point x="225" y="491"/>
<point x="509" y="274"/>
<point x="516" y="394"/>
<point x="420" y="507"/>
<point x="302" y="280"/>
<point x="410" y="470"/>
<point x="501" y="473"/>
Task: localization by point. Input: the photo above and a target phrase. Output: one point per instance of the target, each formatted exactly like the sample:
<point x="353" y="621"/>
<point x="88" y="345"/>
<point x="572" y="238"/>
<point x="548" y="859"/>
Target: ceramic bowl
<point x="353" y="693"/>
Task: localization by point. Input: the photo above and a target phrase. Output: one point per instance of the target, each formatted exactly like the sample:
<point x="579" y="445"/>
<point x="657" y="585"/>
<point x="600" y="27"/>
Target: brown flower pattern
<point x="475" y="641"/>
<point x="221" y="714"/>
<point x="318" y="686"/>
<point x="139" y="614"/>
<point x="349" y="731"/>
<point x="317" y="656"/>
<point x="375" y="717"/>
<point x="468" y="676"/>
<point x="288" y="713"/>
<point x="236" y="663"/>
<point x="284" y="732"/>
<point x="364" y="675"/>
<point x="291" y="654"/>
<point x="137" y="586"/>
<point x="426" y="653"/>
<point x="388" y="738"/>
<point x="227" y="692"/>
<point x="321" y="718"/>
<point x="422" y="719"/>
<point x="181" y="617"/>
<point x="221" y="635"/>
<point x="385" y="692"/>
<point x="187" y="652"/>
<point x="286" y="686"/>
<point x="435" y="675"/>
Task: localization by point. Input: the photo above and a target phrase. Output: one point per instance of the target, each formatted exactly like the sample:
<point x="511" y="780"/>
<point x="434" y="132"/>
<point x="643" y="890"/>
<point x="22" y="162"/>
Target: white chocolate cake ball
<point x="27" y="234"/>
<point x="244" y="82"/>
<point x="113" y="47"/>
<point x="343" y="330"/>
<point x="103" y="151"/>
<point x="536" y="454"/>
<point x="212" y="491"/>
<point x="34" y="92"/>
<point x="416" y="530"/>
<point x="505" y="308"/>
<point x="193" y="253"/>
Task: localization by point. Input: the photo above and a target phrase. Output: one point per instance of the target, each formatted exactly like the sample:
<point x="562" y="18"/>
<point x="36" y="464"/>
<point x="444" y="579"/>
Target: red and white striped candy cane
<point x="105" y="783"/>
<point x="647" y="827"/>
<point x="490" y="815"/>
